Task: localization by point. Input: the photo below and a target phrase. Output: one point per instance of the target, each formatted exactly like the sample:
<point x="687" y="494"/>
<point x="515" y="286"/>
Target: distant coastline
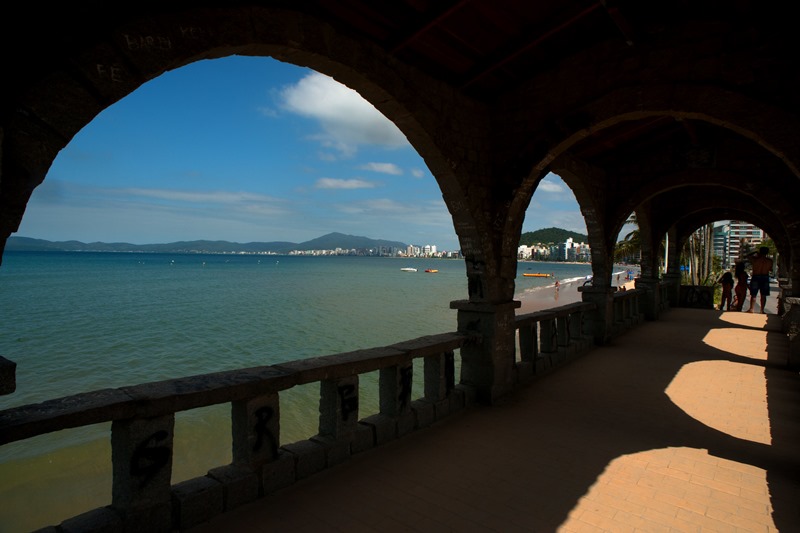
<point x="330" y="242"/>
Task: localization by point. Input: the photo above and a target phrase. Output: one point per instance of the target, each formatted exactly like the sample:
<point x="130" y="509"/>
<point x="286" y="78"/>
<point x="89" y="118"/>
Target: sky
<point x="249" y="149"/>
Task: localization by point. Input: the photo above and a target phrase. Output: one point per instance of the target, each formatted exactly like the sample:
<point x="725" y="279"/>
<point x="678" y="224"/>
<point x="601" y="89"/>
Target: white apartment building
<point x="742" y="236"/>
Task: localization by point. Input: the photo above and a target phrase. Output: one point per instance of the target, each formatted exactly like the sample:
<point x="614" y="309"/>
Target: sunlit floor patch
<point x="681" y="489"/>
<point x="754" y="319"/>
<point x="729" y="397"/>
<point x="751" y="344"/>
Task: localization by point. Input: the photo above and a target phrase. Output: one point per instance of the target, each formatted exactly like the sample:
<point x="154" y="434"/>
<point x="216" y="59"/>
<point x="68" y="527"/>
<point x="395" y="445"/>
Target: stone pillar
<point x="488" y="366"/>
<point x="255" y="427"/>
<point x="338" y="408"/>
<point x="396" y="383"/>
<point x="395" y="389"/>
<point x="141" y="453"/>
<point x="652" y="297"/>
<point x="601" y="319"/>
<point x="439" y="376"/>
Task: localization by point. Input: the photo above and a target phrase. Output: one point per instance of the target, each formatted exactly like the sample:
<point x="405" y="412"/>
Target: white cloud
<point x="332" y="183"/>
<point x="417" y="173"/>
<point x="215" y="197"/>
<point x="549" y="186"/>
<point x="346" y="119"/>
<point x="384" y="168"/>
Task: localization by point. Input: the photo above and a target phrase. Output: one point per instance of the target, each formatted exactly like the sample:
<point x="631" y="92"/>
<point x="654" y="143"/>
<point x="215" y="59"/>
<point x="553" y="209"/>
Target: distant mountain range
<point x="330" y="241"/>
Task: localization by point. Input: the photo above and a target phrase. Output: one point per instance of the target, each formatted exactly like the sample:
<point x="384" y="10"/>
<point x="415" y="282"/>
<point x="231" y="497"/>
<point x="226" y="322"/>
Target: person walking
<point x="759" y="283"/>
<point x="726" y="280"/>
<point x="741" y="285"/>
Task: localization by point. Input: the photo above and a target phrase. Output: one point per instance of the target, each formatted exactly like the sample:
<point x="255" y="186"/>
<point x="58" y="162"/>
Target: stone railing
<point x="552" y="337"/>
<point x="143" y="416"/>
<point x="628" y="310"/>
<point x="142" y="422"/>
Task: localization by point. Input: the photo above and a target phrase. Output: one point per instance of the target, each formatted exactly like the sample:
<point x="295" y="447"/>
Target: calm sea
<point x="77" y="322"/>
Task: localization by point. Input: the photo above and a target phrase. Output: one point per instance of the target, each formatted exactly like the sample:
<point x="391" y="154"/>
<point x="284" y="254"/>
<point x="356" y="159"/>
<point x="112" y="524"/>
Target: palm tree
<point x="629" y="249"/>
<point x="698" y="253"/>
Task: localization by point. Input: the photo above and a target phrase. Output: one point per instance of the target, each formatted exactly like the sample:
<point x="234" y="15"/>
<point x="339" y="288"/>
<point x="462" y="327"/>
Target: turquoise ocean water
<point x="77" y="322"/>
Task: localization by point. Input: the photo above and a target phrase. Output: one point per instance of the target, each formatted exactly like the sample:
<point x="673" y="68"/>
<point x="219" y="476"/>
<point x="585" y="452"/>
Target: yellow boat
<point x="433" y="270"/>
<point x="536" y="275"/>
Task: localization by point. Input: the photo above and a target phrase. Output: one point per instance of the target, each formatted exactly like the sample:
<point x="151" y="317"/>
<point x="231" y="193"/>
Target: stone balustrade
<point x="142" y="427"/>
<point x="628" y="310"/>
<point x="550" y="338"/>
<point x="143" y="416"/>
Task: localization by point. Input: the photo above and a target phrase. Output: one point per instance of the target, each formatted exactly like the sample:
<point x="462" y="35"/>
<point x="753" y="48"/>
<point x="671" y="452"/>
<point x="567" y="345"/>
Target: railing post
<point x="562" y="331"/>
<point x="338" y="407"/>
<point x="529" y="343"/>
<point x="576" y="326"/>
<point x="395" y="384"/>
<point x="440" y="376"/>
<point x="548" y="340"/>
<point x="255" y="427"/>
<point x="439" y="382"/>
<point x="339" y="429"/>
<point x="652" y="297"/>
<point x="141" y="454"/>
<point x="602" y="316"/>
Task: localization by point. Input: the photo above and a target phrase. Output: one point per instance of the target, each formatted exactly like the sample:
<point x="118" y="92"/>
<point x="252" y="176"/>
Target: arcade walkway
<point x="689" y="423"/>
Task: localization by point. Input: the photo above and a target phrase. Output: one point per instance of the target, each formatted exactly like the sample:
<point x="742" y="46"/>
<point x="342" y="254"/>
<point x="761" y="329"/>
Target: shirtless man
<point x="762" y="266"/>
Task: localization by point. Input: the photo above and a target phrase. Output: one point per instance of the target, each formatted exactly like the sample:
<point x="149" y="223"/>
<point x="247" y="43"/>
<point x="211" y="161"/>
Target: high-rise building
<point x="721" y="237"/>
<point x="742" y="238"/>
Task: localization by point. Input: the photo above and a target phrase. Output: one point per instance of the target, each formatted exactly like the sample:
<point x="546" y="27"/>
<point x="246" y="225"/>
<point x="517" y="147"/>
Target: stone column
<point x="601" y="319"/>
<point x="141" y="453"/>
<point x="488" y="366"/>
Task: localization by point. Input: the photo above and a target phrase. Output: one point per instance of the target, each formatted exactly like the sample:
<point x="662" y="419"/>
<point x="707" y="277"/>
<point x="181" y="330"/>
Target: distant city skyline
<point x="251" y="149"/>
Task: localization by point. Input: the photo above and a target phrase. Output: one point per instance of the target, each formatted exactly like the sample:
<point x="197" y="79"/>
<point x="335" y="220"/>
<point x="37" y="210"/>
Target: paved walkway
<point x="690" y="423"/>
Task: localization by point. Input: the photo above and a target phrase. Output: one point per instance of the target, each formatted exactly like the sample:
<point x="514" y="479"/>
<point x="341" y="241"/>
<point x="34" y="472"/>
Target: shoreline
<point x="548" y="297"/>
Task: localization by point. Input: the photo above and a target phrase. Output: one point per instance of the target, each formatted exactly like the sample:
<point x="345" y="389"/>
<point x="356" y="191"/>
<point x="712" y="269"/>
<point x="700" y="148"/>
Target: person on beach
<point x="762" y="266"/>
<point x="726" y="280"/>
<point x="741" y="285"/>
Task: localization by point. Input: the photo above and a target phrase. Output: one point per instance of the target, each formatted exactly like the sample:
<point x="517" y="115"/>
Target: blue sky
<point x="251" y="149"/>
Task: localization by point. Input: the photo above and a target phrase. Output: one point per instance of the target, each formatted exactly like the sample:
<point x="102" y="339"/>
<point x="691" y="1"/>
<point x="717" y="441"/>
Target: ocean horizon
<point x="82" y="321"/>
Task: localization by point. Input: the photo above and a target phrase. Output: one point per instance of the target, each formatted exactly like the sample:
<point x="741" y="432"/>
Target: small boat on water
<point x="432" y="270"/>
<point x="408" y="269"/>
<point x="536" y="275"/>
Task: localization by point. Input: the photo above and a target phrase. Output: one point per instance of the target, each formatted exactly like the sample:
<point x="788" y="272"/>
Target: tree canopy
<point x="550" y="235"/>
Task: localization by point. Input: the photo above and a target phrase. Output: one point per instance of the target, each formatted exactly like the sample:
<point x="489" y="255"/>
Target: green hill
<point x="550" y="235"/>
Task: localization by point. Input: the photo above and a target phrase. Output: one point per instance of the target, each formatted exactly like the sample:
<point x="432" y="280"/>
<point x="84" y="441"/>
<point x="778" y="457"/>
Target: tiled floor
<point x="689" y="423"/>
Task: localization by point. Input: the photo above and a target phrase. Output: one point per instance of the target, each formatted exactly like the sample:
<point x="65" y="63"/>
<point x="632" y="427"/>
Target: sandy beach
<point x="548" y="297"/>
